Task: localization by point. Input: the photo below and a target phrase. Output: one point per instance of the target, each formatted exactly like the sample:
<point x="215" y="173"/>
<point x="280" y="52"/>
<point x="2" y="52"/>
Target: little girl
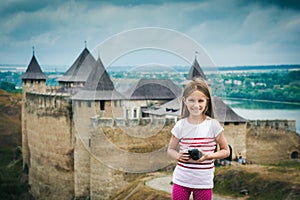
<point x="196" y="130"/>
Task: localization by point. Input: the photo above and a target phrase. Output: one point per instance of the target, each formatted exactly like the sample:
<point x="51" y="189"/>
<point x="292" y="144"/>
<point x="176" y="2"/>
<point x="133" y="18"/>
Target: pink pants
<point x="183" y="193"/>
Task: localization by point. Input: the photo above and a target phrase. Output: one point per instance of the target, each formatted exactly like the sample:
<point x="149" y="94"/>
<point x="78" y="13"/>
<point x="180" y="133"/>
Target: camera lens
<point x="195" y="154"/>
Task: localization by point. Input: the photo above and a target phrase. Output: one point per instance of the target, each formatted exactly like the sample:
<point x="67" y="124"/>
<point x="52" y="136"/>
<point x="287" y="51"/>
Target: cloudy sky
<point x="231" y="32"/>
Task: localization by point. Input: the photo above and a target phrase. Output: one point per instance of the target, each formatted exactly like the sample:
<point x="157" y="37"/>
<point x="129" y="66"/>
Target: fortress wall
<point x="105" y="181"/>
<point x="112" y="109"/>
<point x="92" y="178"/>
<point x="83" y="112"/>
<point x="235" y="134"/>
<point x="52" y="89"/>
<point x="82" y="170"/>
<point x="28" y="86"/>
<point x="25" y="148"/>
<point x="115" y="152"/>
<point x="93" y="108"/>
<point x="34" y="85"/>
<point x="271" y="141"/>
<point x="100" y="121"/>
<point x="50" y="142"/>
<point x="283" y="124"/>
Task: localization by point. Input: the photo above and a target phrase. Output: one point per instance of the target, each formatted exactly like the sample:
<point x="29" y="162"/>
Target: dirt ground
<point x="161" y="181"/>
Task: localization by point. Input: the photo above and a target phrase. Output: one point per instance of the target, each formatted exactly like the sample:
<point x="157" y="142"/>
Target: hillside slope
<point x="10" y="119"/>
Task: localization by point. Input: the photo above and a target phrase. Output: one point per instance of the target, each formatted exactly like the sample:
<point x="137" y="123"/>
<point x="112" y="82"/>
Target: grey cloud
<point x="229" y="26"/>
<point x="281" y="4"/>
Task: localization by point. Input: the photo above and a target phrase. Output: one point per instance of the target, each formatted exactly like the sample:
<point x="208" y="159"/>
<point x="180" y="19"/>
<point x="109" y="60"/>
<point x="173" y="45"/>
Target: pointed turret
<point x="223" y="113"/>
<point x="99" y="79"/>
<point x="196" y="71"/>
<point x="34" y="80"/>
<point x="98" y="85"/>
<point x="99" y="90"/>
<point x="34" y="71"/>
<point x="78" y="73"/>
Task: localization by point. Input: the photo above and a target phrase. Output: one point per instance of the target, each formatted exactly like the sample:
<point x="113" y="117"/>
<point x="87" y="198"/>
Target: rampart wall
<point x="271" y="141"/>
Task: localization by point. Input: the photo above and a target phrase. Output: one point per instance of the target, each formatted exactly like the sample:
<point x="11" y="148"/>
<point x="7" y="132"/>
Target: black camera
<point x="195" y="154"/>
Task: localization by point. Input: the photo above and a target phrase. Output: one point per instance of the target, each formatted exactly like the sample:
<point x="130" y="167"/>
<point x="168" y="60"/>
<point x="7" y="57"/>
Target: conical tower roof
<point x="34" y="71"/>
<point x="99" y="78"/>
<point x="98" y="85"/>
<point x="80" y="69"/>
<point x="196" y="71"/>
<point x="223" y="113"/>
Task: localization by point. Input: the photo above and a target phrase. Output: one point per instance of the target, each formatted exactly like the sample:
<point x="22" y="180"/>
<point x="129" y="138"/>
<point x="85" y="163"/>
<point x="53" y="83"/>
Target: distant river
<point x="266" y="110"/>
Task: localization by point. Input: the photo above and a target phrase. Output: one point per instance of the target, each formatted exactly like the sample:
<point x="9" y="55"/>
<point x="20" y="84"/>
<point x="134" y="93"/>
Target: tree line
<point x="274" y="86"/>
<point x="282" y="85"/>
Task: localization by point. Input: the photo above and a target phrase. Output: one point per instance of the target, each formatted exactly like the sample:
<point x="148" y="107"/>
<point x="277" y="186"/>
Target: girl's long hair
<point x="197" y="84"/>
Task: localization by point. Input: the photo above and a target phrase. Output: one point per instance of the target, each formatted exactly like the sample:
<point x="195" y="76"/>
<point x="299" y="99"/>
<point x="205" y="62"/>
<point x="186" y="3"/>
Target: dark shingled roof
<point x="80" y="69"/>
<point x="34" y="71"/>
<point x="154" y="89"/>
<point x="196" y="71"/>
<point x="99" y="78"/>
<point x="223" y="113"/>
<point x="98" y="86"/>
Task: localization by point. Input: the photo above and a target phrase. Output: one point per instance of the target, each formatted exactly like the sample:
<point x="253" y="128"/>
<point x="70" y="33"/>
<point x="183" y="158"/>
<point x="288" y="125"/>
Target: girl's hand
<point x="205" y="156"/>
<point x="183" y="156"/>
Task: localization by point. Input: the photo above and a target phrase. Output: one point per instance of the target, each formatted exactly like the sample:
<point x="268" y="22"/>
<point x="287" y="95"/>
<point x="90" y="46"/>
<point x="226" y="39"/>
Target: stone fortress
<point x="84" y="139"/>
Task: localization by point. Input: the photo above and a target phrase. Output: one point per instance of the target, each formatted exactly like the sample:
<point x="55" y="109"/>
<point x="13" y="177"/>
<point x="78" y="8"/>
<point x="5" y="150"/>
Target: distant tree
<point x="294" y="75"/>
<point x="9" y="87"/>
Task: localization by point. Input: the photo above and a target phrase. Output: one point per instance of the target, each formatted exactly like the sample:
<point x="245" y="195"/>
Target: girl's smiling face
<point x="196" y="103"/>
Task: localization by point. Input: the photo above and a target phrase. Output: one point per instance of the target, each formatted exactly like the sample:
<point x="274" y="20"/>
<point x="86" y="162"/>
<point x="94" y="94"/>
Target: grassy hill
<point x="10" y="119"/>
<point x="13" y="182"/>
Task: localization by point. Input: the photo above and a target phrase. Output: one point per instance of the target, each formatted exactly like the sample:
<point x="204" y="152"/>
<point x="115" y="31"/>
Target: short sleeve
<point x="216" y="128"/>
<point x="176" y="130"/>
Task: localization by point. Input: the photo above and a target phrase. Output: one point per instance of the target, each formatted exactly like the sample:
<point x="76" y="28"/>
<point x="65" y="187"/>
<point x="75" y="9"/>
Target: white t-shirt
<point x="202" y="136"/>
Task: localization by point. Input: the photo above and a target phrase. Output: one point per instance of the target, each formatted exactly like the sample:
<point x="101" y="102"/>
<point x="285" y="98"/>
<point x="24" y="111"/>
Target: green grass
<point x="231" y="181"/>
<point x="294" y="164"/>
<point x="10" y="173"/>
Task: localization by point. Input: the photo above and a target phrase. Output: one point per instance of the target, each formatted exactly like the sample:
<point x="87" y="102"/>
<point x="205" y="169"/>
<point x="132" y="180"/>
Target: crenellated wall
<point x="276" y="124"/>
<point x="271" y="141"/>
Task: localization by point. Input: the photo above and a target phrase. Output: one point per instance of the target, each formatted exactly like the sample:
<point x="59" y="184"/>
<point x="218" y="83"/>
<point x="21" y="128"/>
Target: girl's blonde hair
<point x="197" y="84"/>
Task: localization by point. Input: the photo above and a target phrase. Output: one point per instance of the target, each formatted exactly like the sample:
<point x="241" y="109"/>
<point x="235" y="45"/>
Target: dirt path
<point x="163" y="184"/>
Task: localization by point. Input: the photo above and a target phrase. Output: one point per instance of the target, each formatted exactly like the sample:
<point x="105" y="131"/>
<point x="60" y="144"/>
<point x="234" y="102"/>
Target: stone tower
<point x="33" y="80"/>
<point x="94" y="100"/>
